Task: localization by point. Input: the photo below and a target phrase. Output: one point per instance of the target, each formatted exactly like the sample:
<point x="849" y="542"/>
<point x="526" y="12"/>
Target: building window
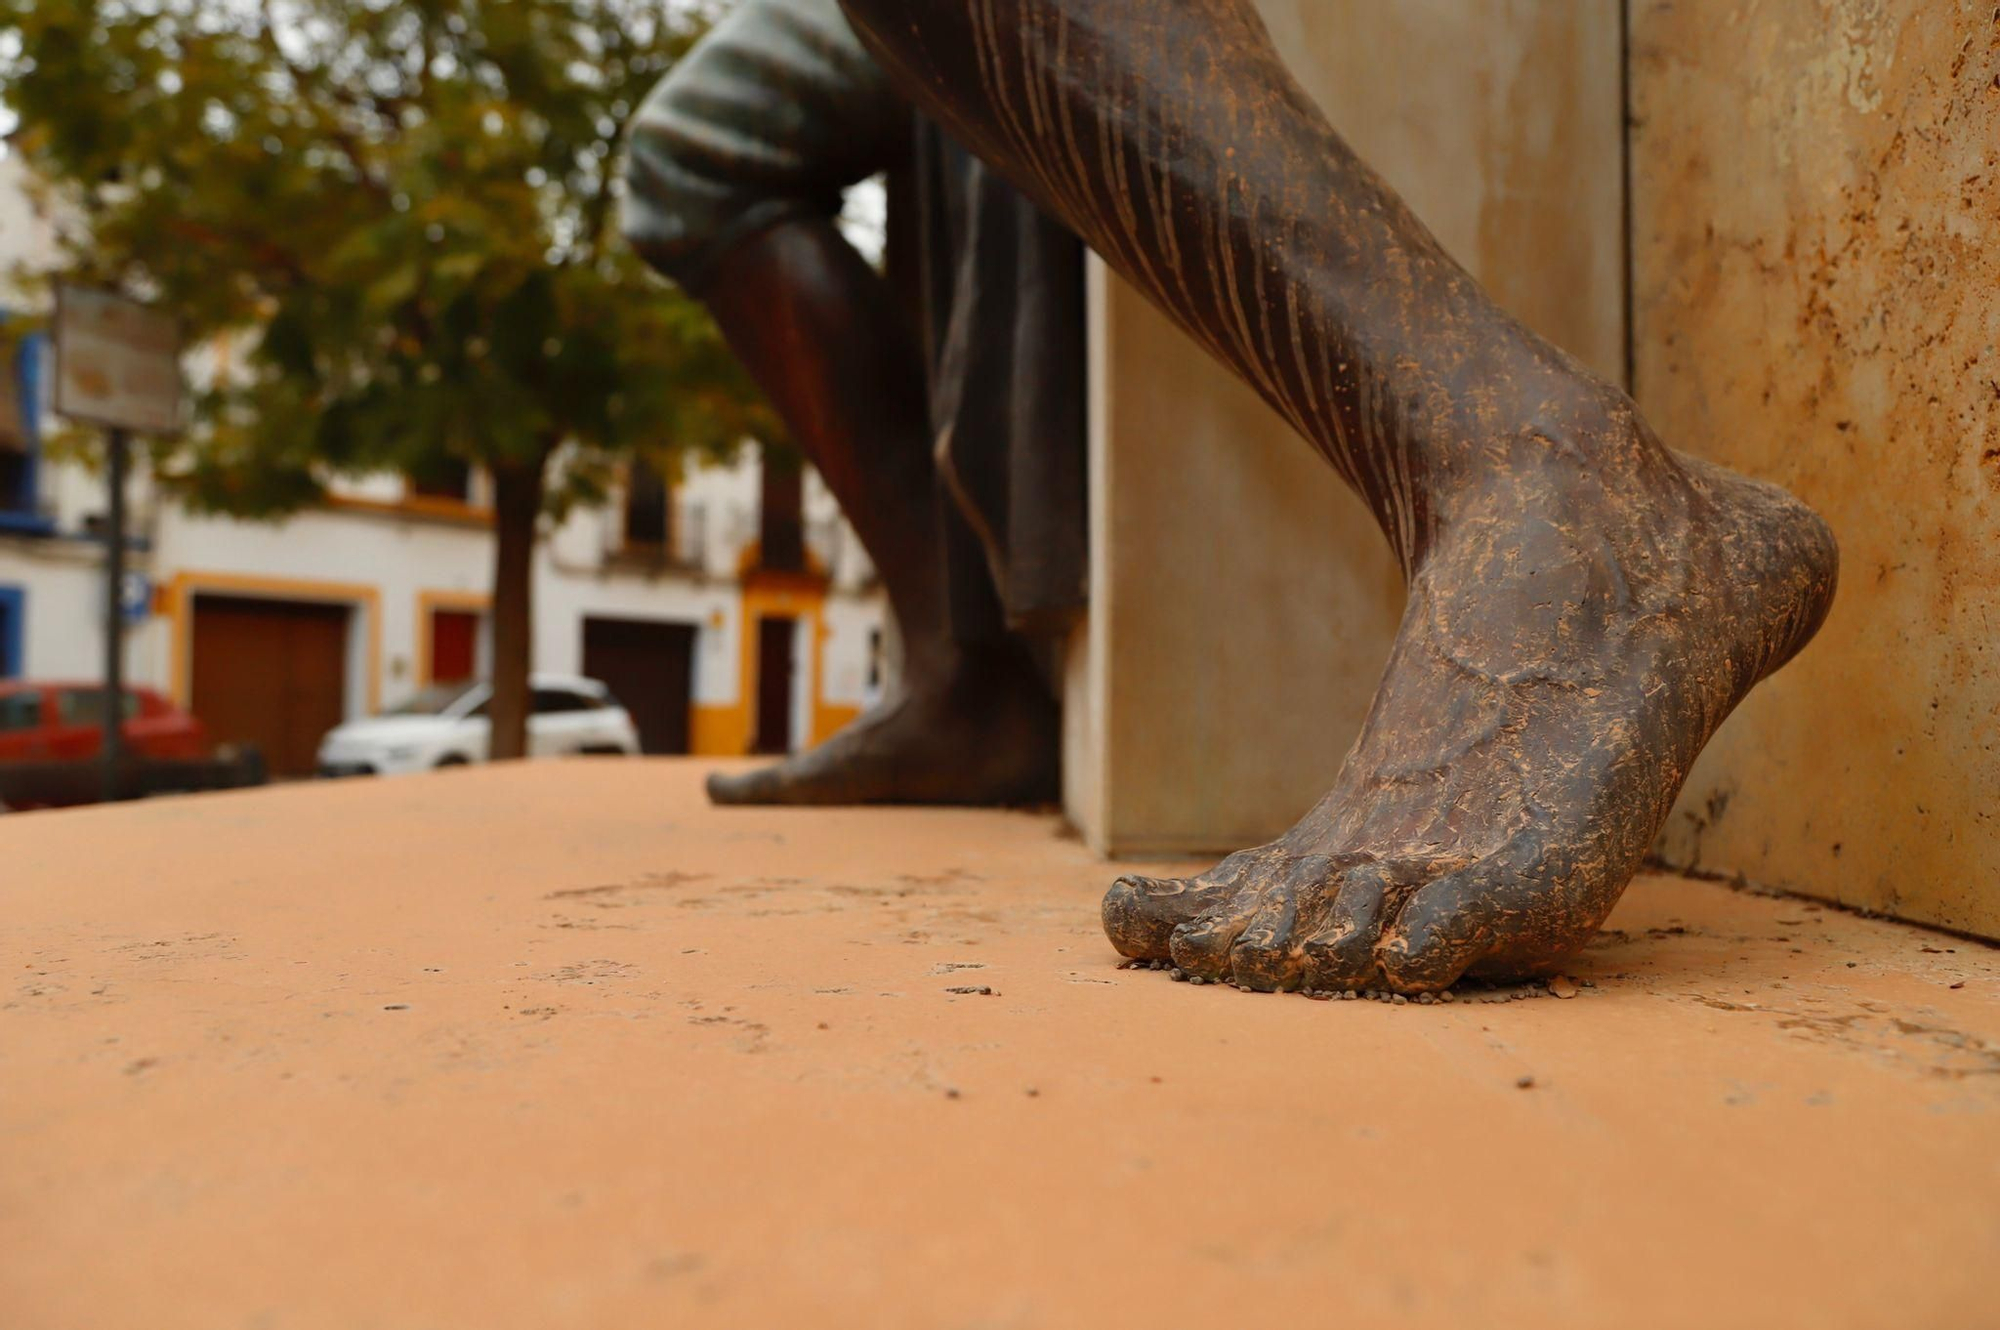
<point x="20" y="441"/>
<point x="444" y="478"/>
<point x="648" y="521"/>
<point x="781" y="513"/>
<point x="13" y="631"/>
<point x="16" y="496"/>
<point x="690" y="533"/>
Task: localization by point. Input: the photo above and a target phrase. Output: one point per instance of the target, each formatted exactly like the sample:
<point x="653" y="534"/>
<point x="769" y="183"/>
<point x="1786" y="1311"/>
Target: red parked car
<point x="64" y="722"/>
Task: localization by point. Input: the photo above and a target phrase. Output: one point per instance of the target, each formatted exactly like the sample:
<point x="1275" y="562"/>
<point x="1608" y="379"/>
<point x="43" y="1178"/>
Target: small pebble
<point x="1033" y="1093"/>
<point x="397" y="1006"/>
<point x="951" y="1094"/>
<point x="1447" y="996"/>
<point x="1959" y="984"/>
<point x="1349" y="996"/>
<point x="1525" y="1083"/>
<point x="1196" y="980"/>
<point x="1399" y="1000"/>
<point x="1178" y="975"/>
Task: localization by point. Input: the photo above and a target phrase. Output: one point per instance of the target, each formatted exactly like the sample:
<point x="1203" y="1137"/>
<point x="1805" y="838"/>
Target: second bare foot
<point x="981" y="728"/>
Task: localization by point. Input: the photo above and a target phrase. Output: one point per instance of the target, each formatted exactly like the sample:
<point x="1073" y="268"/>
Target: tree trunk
<point x="517" y="508"/>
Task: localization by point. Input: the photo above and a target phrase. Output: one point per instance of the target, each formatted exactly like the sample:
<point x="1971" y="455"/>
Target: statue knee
<point x="679" y="198"/>
<point x="770" y="116"/>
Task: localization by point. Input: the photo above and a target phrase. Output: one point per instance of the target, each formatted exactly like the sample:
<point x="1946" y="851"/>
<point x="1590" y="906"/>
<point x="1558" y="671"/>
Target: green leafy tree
<point x="399" y="216"/>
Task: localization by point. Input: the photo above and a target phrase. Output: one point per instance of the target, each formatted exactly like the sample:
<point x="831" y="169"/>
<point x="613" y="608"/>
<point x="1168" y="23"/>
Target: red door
<point x="454" y="646"/>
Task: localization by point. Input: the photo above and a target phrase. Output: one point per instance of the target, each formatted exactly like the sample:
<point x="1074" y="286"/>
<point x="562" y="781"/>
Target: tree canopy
<point x="399" y="215"/>
<point x="396" y="221"/>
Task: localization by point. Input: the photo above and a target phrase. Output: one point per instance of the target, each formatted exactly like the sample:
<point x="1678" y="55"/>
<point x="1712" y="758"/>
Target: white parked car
<point x="446" y="726"/>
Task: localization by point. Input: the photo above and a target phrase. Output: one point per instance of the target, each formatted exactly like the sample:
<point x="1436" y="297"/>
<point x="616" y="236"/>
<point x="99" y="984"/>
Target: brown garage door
<point x="648" y="666"/>
<point x="271" y="673"/>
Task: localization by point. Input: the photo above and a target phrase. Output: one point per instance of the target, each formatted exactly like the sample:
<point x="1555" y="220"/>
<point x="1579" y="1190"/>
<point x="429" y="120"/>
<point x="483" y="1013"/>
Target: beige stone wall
<point x="1817" y="295"/>
<point x="1244" y="601"/>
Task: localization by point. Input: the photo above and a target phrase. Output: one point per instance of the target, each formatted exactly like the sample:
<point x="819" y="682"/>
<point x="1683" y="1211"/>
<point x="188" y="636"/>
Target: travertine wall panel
<point x="1817" y="300"/>
<point x="1243" y="600"/>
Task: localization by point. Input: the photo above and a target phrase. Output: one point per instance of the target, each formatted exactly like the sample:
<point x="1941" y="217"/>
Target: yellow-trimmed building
<point x="732" y="611"/>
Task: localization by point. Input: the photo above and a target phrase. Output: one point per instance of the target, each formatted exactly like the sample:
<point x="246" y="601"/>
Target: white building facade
<point x="731" y="610"/>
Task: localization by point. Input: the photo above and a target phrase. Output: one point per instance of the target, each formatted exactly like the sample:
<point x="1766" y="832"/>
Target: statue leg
<point x="736" y="168"/>
<point x="1585" y="605"/>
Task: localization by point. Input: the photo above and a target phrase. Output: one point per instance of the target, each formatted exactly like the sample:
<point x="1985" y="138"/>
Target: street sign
<point x="135" y="597"/>
<point x="118" y="363"/>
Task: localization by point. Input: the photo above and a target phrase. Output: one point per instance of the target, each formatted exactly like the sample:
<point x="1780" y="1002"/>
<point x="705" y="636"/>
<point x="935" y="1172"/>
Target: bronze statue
<point x="737" y="164"/>
<point x="1586" y="606"/>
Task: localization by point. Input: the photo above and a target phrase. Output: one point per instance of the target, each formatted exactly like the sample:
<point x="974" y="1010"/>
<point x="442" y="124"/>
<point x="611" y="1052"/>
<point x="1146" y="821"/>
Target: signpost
<point x="118" y="365"/>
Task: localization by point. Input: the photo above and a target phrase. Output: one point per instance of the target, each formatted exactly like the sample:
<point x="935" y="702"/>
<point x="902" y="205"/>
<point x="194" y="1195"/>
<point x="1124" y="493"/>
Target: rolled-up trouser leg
<point x="772" y="114"/>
